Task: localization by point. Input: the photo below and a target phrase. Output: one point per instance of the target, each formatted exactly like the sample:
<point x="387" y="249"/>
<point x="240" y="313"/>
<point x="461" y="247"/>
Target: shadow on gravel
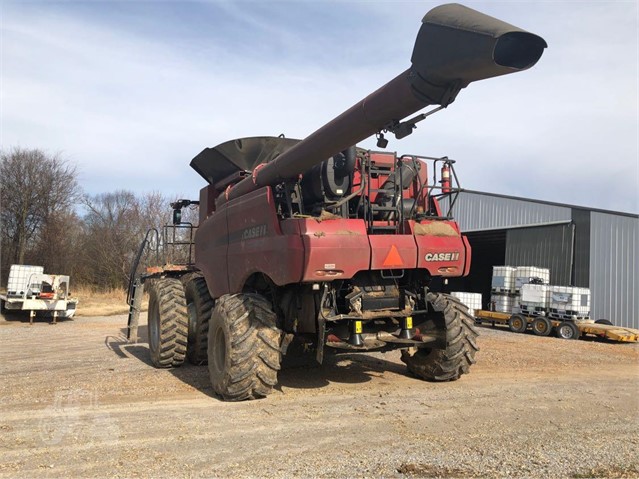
<point x="337" y="368"/>
<point x="123" y="349"/>
<point x="195" y="376"/>
<point x="299" y="370"/>
<point x="143" y="333"/>
<point x="23" y="317"/>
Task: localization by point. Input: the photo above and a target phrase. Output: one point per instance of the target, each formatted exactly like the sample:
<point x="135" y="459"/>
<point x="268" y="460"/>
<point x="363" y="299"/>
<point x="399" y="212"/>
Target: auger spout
<point x="455" y="46"/>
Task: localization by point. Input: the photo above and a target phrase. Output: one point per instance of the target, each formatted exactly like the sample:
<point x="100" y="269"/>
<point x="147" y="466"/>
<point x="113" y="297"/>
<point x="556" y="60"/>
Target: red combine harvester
<point x="326" y="244"/>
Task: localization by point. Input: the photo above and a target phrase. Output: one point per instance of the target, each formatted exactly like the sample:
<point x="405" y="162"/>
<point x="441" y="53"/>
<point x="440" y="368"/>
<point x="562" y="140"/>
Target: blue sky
<point x="132" y="91"/>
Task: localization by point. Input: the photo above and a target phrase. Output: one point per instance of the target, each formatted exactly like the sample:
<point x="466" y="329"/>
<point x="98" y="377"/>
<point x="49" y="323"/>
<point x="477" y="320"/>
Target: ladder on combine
<point x="372" y="210"/>
<point x="396" y="213"/>
<point x="169" y="254"/>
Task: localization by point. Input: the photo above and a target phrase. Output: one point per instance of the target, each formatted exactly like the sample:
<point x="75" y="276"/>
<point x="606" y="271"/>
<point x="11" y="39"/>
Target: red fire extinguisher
<point x="445" y="181"/>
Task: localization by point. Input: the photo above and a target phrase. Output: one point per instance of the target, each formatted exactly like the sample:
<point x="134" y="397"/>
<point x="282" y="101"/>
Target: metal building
<point x="581" y="246"/>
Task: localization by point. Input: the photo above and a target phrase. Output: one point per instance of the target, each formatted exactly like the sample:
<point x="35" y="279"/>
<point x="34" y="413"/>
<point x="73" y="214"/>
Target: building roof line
<point x="551" y="203"/>
<point x="516" y="227"/>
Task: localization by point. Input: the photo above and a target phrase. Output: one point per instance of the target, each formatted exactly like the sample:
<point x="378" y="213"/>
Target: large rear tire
<point x="243" y="347"/>
<point x="167" y="323"/>
<point x="199" y="306"/>
<point x="456" y="325"/>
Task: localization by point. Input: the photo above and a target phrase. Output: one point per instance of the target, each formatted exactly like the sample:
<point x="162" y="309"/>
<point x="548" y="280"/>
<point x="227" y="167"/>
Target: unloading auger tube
<point x="455" y="46"/>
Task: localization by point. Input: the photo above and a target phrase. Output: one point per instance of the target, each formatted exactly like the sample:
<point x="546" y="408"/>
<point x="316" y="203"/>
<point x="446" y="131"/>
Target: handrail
<point x="138" y="257"/>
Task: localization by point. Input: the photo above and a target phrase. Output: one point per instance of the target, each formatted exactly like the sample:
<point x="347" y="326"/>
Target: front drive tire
<point x="167" y="323"/>
<point x="243" y="347"/>
<point x="199" y="306"/>
<point x="457" y="325"/>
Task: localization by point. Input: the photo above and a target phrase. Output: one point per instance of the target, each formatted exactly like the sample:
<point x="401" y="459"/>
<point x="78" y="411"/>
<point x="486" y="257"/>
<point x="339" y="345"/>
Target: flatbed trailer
<point x="29" y="289"/>
<point x="565" y="329"/>
<point x="58" y="308"/>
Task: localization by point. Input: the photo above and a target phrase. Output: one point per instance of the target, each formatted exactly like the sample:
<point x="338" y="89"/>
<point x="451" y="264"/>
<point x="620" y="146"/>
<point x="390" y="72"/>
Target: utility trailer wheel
<point x="567" y="330"/>
<point x="604" y="321"/>
<point x="541" y="326"/>
<point x="168" y="323"/>
<point x="244" y="347"/>
<point x="517" y="324"/>
<point x="453" y="319"/>
<point x="199" y="307"/>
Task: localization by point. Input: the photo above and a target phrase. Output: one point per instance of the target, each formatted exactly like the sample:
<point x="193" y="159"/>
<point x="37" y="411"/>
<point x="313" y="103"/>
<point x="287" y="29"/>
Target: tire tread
<point x="198" y="293"/>
<point x="459" y="336"/>
<point x="255" y="356"/>
<point x="173" y="326"/>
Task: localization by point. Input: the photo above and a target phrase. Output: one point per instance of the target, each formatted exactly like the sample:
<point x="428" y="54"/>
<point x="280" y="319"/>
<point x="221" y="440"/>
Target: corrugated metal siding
<point x="614" y="265"/>
<point x="606" y="256"/>
<point x="480" y="212"/>
<point x="544" y="246"/>
<point x="581" y="266"/>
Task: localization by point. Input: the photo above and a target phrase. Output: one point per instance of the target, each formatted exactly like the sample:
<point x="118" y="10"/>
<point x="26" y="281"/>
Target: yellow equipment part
<point x="614" y="333"/>
<point x="585" y="326"/>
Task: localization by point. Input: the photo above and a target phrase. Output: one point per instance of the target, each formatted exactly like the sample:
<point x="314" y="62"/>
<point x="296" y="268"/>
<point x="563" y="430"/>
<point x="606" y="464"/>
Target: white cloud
<point x="132" y="108"/>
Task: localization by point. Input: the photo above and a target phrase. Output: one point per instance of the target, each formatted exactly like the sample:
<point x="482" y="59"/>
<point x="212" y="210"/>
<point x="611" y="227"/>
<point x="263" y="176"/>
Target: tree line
<point x="46" y="219"/>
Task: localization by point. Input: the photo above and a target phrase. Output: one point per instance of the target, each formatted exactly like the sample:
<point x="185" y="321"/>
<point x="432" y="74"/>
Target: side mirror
<point x="177" y="216"/>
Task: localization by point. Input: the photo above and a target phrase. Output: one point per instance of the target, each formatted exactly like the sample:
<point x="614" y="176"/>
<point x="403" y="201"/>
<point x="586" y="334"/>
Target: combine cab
<point x="321" y="242"/>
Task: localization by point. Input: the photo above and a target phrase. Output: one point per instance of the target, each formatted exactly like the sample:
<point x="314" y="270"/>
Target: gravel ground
<point x="76" y="400"/>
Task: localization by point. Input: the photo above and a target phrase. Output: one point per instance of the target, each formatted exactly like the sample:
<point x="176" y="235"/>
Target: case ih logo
<point x="254" y="232"/>
<point x="441" y="256"/>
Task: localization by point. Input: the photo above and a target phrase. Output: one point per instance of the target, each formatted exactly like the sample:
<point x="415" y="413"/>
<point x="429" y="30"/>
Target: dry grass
<point x="102" y="302"/>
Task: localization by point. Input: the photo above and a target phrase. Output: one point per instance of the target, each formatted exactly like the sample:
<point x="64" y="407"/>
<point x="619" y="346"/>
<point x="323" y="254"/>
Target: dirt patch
<point x="609" y="472"/>
<point x="327" y="215"/>
<point x="427" y="470"/>
<point x="435" y="228"/>
<point x="78" y="401"/>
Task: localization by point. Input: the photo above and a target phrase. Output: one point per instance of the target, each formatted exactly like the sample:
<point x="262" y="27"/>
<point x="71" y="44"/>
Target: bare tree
<point x="154" y="209"/>
<point x="114" y="226"/>
<point x="57" y="244"/>
<point x="34" y="187"/>
<point x="39" y="224"/>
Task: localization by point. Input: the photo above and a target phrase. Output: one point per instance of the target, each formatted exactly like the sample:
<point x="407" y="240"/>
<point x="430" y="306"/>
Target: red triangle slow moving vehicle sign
<point x="393" y="258"/>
